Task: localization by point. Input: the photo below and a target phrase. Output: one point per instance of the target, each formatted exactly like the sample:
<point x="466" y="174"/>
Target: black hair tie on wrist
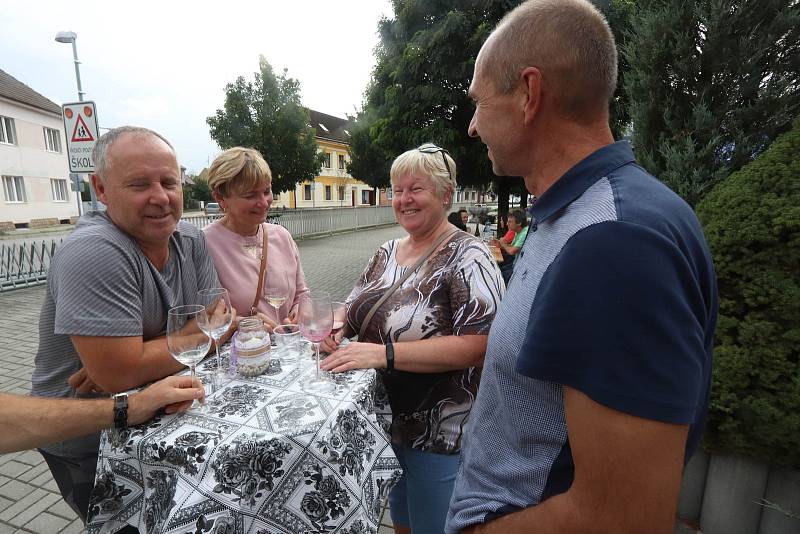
<point x="389" y="355"/>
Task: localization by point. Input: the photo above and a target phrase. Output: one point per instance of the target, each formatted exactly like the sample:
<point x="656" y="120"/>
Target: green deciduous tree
<point x="752" y="221"/>
<point x="418" y="91"/>
<point x="266" y="114"/>
<point x="711" y="84"/>
<point x="200" y="190"/>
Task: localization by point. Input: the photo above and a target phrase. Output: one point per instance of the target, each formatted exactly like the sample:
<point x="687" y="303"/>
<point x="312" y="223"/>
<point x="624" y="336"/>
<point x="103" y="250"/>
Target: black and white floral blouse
<point x="455" y="292"/>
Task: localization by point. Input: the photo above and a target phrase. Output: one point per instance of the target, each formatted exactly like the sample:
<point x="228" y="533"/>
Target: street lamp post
<point x="72" y="37"/>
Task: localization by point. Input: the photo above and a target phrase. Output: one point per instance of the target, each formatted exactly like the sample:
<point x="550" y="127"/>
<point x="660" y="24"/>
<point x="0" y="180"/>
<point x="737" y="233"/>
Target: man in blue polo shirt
<point x="595" y="385"/>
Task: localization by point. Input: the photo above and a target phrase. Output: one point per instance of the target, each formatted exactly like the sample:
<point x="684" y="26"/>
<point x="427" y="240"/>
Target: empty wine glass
<point x="216" y="319"/>
<point x="316" y="319"/>
<point x="276" y="290"/>
<point x="186" y="341"/>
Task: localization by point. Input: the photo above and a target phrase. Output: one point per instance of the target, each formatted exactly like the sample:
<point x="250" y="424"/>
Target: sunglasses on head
<point x="433" y="149"/>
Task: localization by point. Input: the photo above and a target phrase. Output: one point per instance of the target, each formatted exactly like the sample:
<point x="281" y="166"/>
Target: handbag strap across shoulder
<point x="388" y="293"/>
<point x="262" y="272"/>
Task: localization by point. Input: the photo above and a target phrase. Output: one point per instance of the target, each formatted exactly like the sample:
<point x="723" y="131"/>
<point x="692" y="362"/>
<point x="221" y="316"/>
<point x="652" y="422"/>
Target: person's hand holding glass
<point x="316" y="320"/>
<point x="216" y="319"/>
<point x="186" y="341"/>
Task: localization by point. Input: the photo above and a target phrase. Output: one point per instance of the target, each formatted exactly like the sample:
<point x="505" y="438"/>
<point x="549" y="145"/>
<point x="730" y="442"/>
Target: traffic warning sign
<point x="80" y="123"/>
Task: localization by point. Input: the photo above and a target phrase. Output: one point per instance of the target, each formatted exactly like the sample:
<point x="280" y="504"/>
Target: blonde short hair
<point x="238" y="169"/>
<point x="570" y="42"/>
<point x="428" y="160"/>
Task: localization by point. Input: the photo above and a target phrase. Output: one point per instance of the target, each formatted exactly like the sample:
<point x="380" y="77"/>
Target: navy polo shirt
<point x="613" y="294"/>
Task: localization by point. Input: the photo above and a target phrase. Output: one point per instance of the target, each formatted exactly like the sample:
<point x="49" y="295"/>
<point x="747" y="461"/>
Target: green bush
<point x="752" y="222"/>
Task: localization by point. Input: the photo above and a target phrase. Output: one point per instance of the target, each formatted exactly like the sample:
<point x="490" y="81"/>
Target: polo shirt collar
<point x="580" y="177"/>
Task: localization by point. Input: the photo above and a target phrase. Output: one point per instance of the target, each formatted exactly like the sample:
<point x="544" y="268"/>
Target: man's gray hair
<point x="100" y="152"/>
<point x="570" y="42"/>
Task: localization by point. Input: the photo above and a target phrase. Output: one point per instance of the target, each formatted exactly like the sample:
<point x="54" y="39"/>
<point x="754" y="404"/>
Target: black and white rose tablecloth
<point x="263" y="456"/>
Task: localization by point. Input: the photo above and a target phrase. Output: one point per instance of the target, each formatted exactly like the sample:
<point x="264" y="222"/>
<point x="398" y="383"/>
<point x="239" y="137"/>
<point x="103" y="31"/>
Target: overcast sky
<point x="164" y="64"/>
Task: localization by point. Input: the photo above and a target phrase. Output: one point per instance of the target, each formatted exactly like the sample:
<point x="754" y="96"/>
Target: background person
<point x="455" y="219"/>
<point x="598" y="368"/>
<point x="110" y="286"/>
<point x="518" y="224"/>
<point x="464" y="217"/>
<point x="49" y="420"/>
<point x="428" y="338"/>
<point x="241" y="182"/>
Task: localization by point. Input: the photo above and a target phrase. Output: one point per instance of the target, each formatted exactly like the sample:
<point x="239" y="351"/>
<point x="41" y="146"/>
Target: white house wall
<point x="29" y="159"/>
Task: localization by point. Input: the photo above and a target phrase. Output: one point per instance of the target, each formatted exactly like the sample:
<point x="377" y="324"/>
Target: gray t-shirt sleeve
<point x="204" y="264"/>
<point x="96" y="286"/>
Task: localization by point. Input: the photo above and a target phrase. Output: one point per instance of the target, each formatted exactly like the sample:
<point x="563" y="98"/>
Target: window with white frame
<point x="328" y="192"/>
<point x="341" y="161"/>
<point x="327" y="161"/>
<point x="59" y="189"/>
<point x="341" y="192"/>
<point x="389" y="193"/>
<point x="14" y="189"/>
<point x="307" y="192"/>
<point x="8" y="134"/>
<point x="52" y="139"/>
<point x="365" y="196"/>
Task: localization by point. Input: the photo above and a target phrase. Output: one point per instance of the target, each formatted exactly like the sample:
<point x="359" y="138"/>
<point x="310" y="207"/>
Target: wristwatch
<point x="121" y="411"/>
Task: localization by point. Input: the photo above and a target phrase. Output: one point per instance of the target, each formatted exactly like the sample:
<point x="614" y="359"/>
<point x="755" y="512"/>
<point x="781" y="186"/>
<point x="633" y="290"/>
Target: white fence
<point x="26" y="264"/>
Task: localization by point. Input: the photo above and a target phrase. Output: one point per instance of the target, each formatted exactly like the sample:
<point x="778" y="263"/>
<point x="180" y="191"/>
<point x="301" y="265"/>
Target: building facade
<point x="334" y="187"/>
<point x="33" y="164"/>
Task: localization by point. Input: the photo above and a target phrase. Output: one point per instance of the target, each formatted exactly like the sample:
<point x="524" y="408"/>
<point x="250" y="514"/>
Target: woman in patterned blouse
<point x="437" y="322"/>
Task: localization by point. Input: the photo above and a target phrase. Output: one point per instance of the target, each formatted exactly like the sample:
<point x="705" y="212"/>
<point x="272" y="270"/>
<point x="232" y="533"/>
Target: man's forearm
<point x="156" y="363"/>
<point x="563" y="514"/>
<point x="29" y="422"/>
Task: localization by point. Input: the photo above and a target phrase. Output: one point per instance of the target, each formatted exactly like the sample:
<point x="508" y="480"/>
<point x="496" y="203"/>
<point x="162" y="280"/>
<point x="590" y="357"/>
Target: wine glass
<point x="186" y="341"/>
<point x="216" y="319"/>
<point x="276" y="290"/>
<point x="316" y="319"/>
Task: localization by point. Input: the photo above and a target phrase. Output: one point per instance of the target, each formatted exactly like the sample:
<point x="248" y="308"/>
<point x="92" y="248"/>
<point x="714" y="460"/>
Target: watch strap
<point x="121" y="411"/>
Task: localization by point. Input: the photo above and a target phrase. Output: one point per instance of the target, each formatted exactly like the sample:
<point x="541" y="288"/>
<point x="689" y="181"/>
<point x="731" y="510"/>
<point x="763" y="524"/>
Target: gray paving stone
<point x="34" y="472"/>
<point x="15" y="490"/>
<point x="42" y="479"/>
<point x="4" y="458"/>
<point x="62" y="509"/>
<point x="13" y="469"/>
<point x="30" y="458"/>
<point x="5" y="503"/>
<point x="45" y="523"/>
<point x="34" y="509"/>
<point x="7" y="529"/>
<point x="385" y="530"/>
<point x="9" y="514"/>
<point x="76" y="527"/>
<point x="3" y="480"/>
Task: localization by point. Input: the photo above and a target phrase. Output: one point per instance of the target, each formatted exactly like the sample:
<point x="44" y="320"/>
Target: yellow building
<point x="334" y="187"/>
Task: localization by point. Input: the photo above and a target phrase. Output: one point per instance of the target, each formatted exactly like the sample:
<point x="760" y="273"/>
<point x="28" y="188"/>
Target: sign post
<point x="80" y="125"/>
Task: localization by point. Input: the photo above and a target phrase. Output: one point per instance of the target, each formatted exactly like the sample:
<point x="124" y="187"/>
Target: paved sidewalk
<point x="29" y="498"/>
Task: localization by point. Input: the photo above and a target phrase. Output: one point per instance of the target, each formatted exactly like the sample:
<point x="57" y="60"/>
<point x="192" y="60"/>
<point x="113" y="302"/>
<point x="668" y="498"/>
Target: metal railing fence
<point x="27" y="264"/>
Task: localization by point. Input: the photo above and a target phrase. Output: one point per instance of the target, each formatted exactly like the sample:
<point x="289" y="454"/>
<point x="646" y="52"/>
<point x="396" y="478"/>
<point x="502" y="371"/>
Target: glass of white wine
<point x="276" y="290"/>
<point x="216" y="320"/>
<point x="186" y="341"/>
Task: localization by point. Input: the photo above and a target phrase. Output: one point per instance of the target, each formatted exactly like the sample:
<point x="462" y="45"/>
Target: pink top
<point x="238" y="258"/>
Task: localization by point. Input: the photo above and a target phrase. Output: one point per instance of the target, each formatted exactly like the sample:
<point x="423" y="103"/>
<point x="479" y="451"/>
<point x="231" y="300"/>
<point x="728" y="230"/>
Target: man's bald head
<point x="569" y="41"/>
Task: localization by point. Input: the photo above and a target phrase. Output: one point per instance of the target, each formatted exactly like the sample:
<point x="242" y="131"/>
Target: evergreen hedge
<point x="752" y="222"/>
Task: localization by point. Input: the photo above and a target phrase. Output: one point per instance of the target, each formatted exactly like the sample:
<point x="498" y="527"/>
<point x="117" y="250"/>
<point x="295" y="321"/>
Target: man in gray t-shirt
<point x="110" y="286"/>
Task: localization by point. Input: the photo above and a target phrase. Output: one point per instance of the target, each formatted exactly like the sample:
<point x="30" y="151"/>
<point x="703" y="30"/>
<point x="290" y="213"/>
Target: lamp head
<point x="66" y="37"/>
